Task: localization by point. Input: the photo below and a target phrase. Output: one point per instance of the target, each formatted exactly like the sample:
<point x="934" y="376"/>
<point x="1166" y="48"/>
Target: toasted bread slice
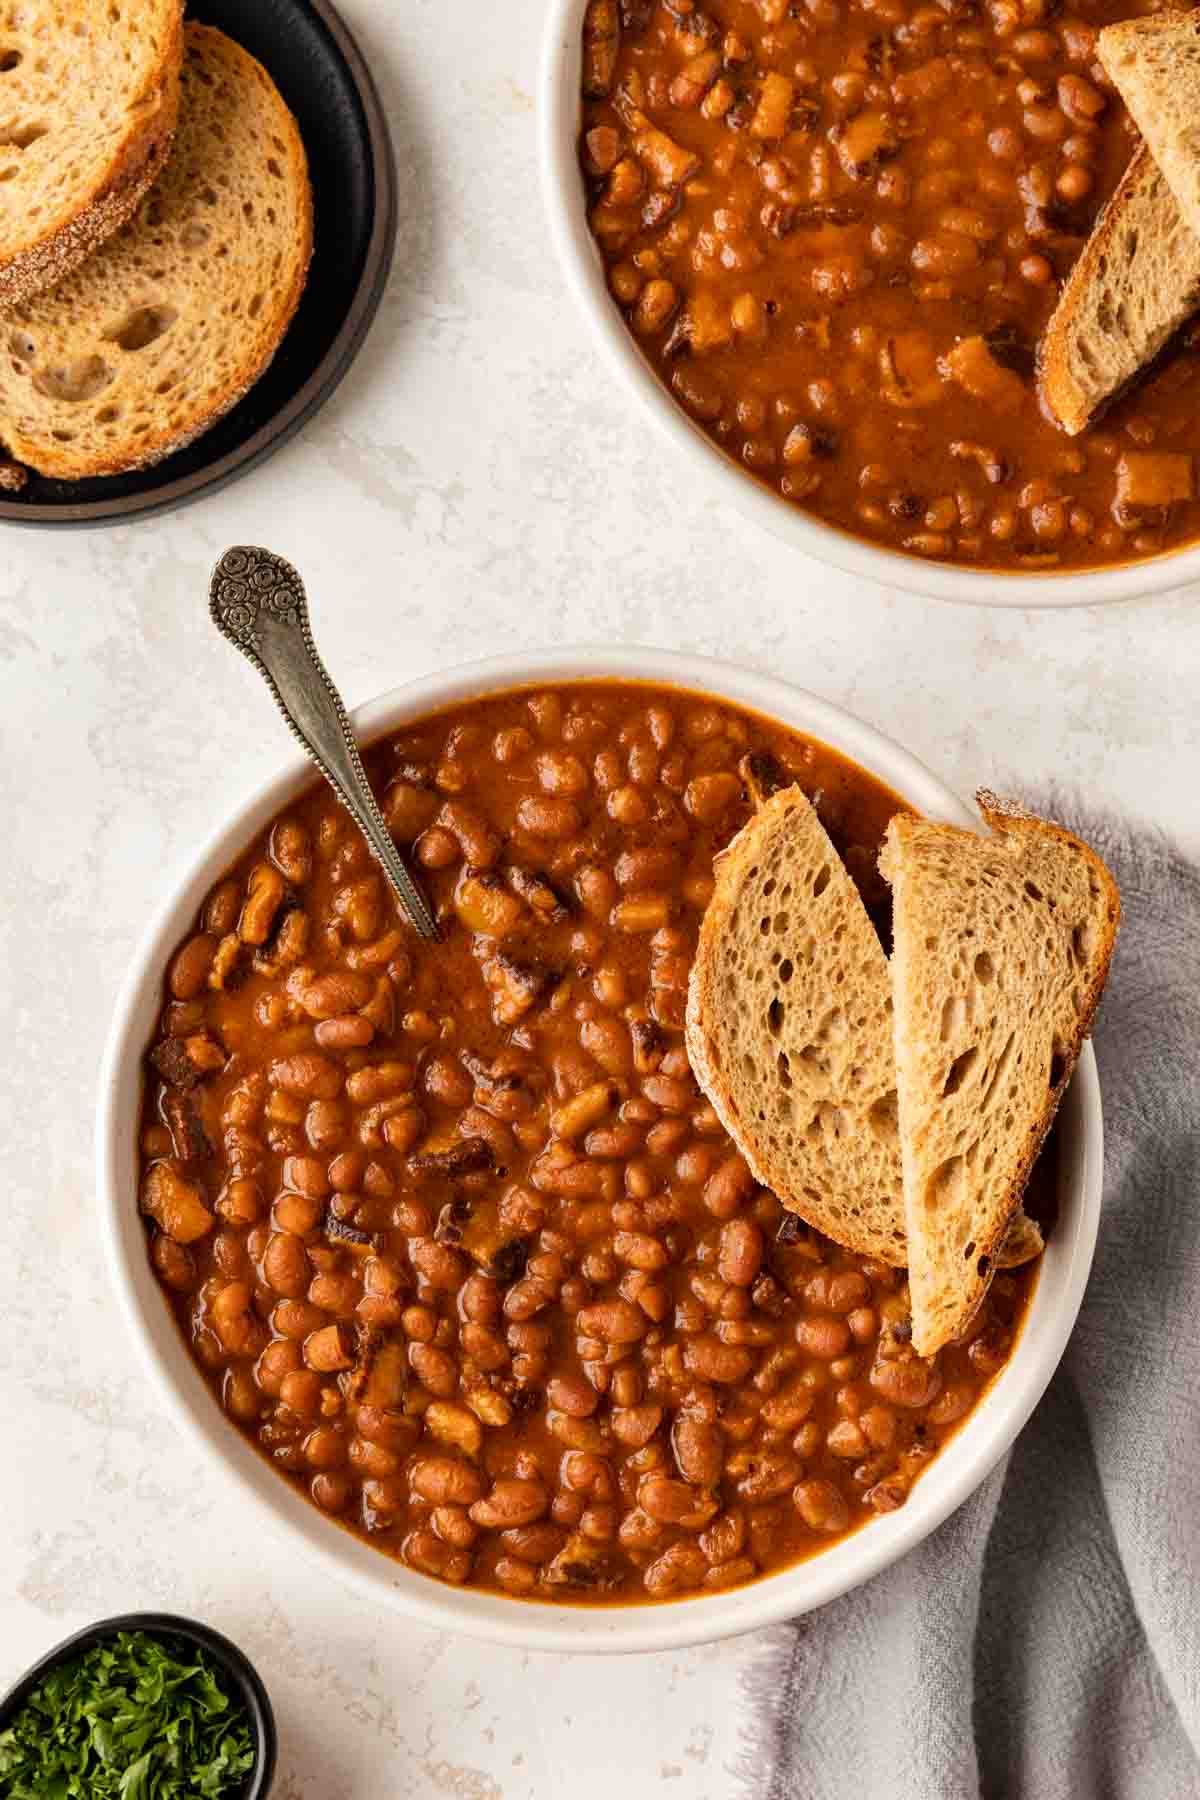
<point x="789" y="1028"/>
<point x="1002" y="946"/>
<point x="1155" y="64"/>
<point x="174" y="318"/>
<point x="1135" y="283"/>
<point x="88" y="97"/>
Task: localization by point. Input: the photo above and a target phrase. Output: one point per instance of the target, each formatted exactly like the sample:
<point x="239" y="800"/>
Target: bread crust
<point x="257" y="347"/>
<point x="1006" y="819"/>
<point x="1152" y="63"/>
<point x="115" y="194"/>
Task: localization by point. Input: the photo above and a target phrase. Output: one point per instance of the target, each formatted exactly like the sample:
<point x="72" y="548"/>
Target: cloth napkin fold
<point x="1044" y="1643"/>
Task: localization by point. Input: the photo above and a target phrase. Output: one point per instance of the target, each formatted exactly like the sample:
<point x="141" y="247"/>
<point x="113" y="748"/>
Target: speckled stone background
<point x="475" y="486"/>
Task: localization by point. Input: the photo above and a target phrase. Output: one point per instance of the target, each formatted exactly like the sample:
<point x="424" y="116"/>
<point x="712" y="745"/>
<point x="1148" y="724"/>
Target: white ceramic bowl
<point x="584" y="271"/>
<point x="264" y="1497"/>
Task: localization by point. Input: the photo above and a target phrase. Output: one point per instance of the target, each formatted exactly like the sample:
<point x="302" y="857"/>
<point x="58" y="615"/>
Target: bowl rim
<point x="582" y="268"/>
<point x="960" y="1466"/>
<point x="231" y="1657"/>
<point x="318" y="386"/>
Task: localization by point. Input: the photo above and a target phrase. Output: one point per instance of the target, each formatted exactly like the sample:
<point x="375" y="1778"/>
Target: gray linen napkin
<point x="1044" y="1644"/>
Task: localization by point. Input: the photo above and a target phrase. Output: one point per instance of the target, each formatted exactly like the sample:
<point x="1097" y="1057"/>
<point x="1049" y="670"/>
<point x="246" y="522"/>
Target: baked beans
<point x="837" y="230"/>
<point x="483" y="1276"/>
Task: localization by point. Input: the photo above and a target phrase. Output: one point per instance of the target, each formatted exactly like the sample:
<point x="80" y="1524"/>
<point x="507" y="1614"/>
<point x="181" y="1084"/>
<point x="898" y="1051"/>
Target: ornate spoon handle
<point x="257" y="601"/>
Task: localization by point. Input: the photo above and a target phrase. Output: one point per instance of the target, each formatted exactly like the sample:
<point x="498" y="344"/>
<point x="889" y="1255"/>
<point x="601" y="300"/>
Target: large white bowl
<point x="584" y="270"/>
<point x="268" y="1499"/>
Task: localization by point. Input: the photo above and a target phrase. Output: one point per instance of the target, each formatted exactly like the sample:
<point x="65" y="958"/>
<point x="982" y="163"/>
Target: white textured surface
<point x="472" y="488"/>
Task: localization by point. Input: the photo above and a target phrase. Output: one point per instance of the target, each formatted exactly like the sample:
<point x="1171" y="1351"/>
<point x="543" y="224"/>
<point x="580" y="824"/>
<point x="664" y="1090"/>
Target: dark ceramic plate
<point x="322" y="75"/>
<point x="242" y="1676"/>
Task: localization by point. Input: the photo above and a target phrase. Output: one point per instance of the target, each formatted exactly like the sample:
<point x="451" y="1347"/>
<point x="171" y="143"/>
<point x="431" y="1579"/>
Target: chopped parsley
<point x="134" y="1717"/>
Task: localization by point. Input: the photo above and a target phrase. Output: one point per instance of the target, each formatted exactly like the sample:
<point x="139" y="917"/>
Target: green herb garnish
<point x="133" y="1718"/>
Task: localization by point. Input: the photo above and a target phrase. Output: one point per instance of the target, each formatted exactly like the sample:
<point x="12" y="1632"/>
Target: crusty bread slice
<point x="1001" y="948"/>
<point x="89" y="92"/>
<point x="789" y="1028"/>
<point x="1155" y="64"/>
<point x="1135" y="283"/>
<point x="174" y="318"/>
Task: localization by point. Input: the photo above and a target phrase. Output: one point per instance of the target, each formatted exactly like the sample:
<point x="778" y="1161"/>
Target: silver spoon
<point x="257" y="601"/>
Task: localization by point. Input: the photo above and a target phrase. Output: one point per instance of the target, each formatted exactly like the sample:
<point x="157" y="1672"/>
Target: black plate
<point x="321" y="73"/>
<point x="244" y="1677"/>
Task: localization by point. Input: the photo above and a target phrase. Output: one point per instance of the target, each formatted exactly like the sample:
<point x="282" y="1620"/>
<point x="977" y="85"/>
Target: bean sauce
<point x="450" y="1228"/>
<point x="838" y="228"/>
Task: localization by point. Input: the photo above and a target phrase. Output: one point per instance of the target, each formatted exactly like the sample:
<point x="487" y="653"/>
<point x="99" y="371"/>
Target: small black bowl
<point x="323" y="76"/>
<point x="237" y="1667"/>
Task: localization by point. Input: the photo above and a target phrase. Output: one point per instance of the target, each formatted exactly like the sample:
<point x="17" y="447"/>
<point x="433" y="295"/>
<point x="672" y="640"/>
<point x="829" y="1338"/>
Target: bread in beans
<point x="1136" y="281"/>
<point x="1155" y="63"/>
<point x="789" y="1028"/>
<point x="88" y="98"/>
<point x="170" y="322"/>
<point x="1001" y="949"/>
<point x="818" y="1129"/>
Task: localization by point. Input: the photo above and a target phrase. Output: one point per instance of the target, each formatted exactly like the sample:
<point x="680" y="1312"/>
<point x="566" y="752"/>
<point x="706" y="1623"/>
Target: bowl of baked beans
<point x="819" y="241"/>
<point x="438" y="1249"/>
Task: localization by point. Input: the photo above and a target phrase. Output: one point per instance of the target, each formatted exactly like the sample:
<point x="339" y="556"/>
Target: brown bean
<point x="264" y="896"/>
<point x="296" y="1319"/>
<point x="331" y="1348"/>
<point x="584" y="1110"/>
<point x="711" y="1360"/>
<point x="387" y="1427"/>
<point x="544" y="817"/>
<point x="573" y="1395"/>
<point x="741" y="1252"/>
<point x="707" y="797"/>
<point x="770" y="1474"/>
<point x="437" y="1264"/>
<point x="640" y="1251"/>
<point x="822" y="1336"/>
<point x="821" y="1506"/>
<point x="699" y="1451"/>
<point x="291" y="851"/>
<point x="533" y="1543"/>
<point x="634" y="1426"/>
<point x="222" y="907"/>
<point x="325" y="1448"/>
<point x="453" y="1526"/>
<point x="337" y="1293"/>
<point x="677" y="1568"/>
<point x="425" y="1551"/>
<point x="434" y="1369"/>
<point x="306" y="1175"/>
<point x="728" y="1188"/>
<point x="379" y="1081"/>
<point x="308" y="1076"/>
<point x="614" y="1321"/>
<point x="725" y="1537"/>
<point x="511" y="1503"/>
<point x="907" y="1381"/>
<point x="329" y="996"/>
<point x="847" y="1289"/>
<point x="189" y="971"/>
<point x="446" y="1081"/>
<point x="285" y="1265"/>
<point x="446" y="1481"/>
<point x="175" y="1264"/>
<point x="480" y="1299"/>
<point x="350" y="1032"/>
<point x="325" y="1124"/>
<point x="526" y="1298"/>
<point x="674" y="1502"/>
